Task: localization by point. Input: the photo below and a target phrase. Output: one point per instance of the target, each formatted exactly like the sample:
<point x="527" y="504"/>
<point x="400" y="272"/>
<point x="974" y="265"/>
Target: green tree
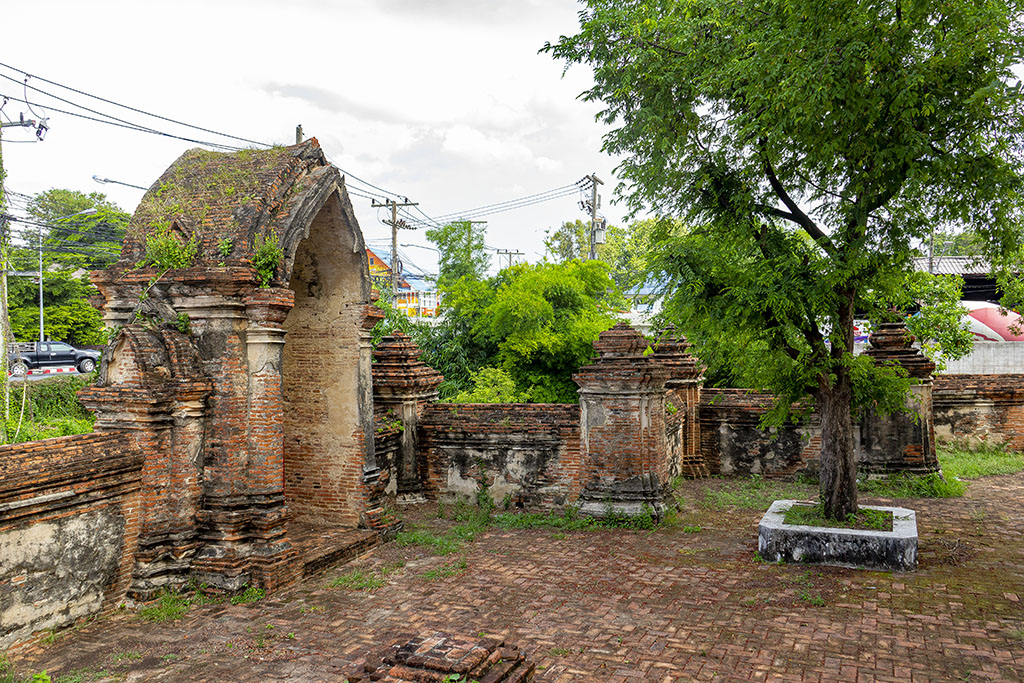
<point x="811" y="145"/>
<point x="91" y="241"/>
<point x="570" y="240"/>
<point x="628" y="251"/>
<point x="67" y="314"/>
<point x="71" y="245"/>
<point x="463" y="252"/>
<point x="544" y="320"/>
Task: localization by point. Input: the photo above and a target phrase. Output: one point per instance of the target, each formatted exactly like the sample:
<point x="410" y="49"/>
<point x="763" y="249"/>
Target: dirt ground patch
<point x="687" y="602"/>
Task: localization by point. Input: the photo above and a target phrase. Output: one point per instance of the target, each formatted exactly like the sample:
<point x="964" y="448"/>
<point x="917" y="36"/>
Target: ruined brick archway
<point x="327" y="394"/>
<point x="252" y="404"/>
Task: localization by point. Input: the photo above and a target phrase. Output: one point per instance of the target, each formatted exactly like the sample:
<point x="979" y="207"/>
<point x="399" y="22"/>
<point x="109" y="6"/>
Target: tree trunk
<point x="838" y="473"/>
<point x="838" y="467"/>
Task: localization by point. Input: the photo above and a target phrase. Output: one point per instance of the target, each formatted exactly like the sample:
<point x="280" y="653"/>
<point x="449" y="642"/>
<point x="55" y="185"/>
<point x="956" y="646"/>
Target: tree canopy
<point x="91" y="241"/>
<point x="71" y="245"/>
<point x="462" y="250"/>
<point x="812" y="146"/>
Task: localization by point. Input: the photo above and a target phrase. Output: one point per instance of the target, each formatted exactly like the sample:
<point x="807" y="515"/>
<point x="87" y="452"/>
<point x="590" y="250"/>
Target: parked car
<point x="51" y="354"/>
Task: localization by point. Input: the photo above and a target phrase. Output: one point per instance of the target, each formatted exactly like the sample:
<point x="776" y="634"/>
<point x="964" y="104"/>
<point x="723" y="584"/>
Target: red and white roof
<point x="988" y="323"/>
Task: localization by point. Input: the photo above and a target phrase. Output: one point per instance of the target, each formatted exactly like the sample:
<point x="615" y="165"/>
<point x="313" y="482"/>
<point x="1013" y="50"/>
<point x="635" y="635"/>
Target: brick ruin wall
<point x="530" y="453"/>
<point x="733" y="443"/>
<point x="980" y="408"/>
<point x="69" y="527"/>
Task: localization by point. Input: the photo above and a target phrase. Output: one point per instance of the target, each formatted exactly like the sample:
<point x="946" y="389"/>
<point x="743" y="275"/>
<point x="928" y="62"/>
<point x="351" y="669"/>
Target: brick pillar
<point x="622" y="427"/>
<point x="148" y="394"/>
<point x="903" y="441"/>
<point x="686" y="378"/>
<point x="402" y="387"/>
<point x="270" y="552"/>
<point x="242" y="521"/>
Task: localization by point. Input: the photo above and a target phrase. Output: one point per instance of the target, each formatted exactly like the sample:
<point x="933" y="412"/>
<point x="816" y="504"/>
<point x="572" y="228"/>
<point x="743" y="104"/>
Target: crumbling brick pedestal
<point x="686" y="377"/>
<point x="402" y="387"/>
<point x="444" y="657"/>
<point x="622" y="422"/>
<point x="903" y="441"/>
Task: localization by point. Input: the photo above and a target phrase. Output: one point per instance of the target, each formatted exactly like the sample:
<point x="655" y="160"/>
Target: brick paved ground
<point x="673" y="604"/>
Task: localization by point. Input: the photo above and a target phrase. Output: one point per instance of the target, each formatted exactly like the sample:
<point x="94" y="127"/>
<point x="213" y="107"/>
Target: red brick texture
<point x="527" y="453"/>
<point x="260" y="408"/>
<point x="980" y="408"/>
<point x="622" y="424"/>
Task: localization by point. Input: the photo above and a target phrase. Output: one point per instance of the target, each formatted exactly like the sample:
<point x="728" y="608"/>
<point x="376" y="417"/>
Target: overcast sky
<point x="446" y="102"/>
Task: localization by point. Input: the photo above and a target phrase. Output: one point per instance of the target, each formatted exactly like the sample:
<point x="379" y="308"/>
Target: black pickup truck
<point x="25" y="357"/>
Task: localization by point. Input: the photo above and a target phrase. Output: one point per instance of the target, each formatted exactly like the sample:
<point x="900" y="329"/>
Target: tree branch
<point x="801" y="219"/>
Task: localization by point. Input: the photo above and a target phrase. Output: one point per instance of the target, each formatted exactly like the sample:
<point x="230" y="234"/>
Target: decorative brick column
<point x="904" y="441"/>
<point x="402" y="387"/>
<point x="686" y="378"/>
<point x="271" y="554"/>
<point x="622" y="425"/>
<point x="159" y="403"/>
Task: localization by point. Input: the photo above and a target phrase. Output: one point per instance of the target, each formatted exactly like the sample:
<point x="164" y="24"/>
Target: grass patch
<point x="171" y="605"/>
<point x="473" y="520"/>
<point x="51" y="409"/>
<point x="446" y="570"/>
<point x="755" y="493"/>
<point x="987" y="460"/>
<point x="814" y="515"/>
<point x="358" y="580"/>
<point x="442" y="544"/>
<point x="905" y="485"/>
<point x="250" y="594"/>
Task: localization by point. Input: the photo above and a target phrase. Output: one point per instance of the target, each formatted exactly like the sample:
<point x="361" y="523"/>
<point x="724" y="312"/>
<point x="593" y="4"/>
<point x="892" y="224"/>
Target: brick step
<point x="321" y="548"/>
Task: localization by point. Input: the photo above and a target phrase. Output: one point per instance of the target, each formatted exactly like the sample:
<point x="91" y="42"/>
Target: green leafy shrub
<point x="166" y="251"/>
<point x="490" y="385"/>
<point x="266" y="257"/>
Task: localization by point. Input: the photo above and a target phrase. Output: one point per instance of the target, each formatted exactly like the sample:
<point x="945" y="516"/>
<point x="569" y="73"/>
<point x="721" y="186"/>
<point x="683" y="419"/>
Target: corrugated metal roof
<point x="953" y="265"/>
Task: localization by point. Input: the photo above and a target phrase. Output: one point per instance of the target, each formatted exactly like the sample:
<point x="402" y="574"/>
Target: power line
<point x="137" y="111"/>
<point x="137" y="128"/>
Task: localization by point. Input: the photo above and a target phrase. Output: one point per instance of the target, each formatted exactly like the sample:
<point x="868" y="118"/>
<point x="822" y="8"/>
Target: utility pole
<point x="395" y="225"/>
<point x="594" y="182"/>
<point x="511" y="255"/>
<point x="4" y="322"/>
<point x="5" y="248"/>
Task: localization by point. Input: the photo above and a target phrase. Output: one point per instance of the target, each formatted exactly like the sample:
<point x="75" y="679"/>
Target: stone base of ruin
<point x="631" y="497"/>
<point x="894" y="550"/>
<point x="444" y="657"/>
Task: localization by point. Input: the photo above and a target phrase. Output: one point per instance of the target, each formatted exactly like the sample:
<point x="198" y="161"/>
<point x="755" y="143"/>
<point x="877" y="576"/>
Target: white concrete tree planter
<point x="894" y="550"/>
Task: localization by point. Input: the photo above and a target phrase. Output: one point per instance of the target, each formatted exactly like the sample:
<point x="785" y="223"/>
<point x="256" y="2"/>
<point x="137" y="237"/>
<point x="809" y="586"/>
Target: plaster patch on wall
<point x="53" y="573"/>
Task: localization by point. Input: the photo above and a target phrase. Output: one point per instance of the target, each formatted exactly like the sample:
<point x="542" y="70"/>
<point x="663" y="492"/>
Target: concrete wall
<point x="989" y="358"/>
<point x="530" y="453"/>
<point x="69" y="525"/>
<point x="734" y="444"/>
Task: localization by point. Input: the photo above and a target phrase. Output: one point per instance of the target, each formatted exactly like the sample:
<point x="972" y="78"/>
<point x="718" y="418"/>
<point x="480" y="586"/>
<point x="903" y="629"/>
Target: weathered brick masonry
<point x="529" y="453"/>
<point x="252" y="405"/>
<point x="980" y="408"/>
<point x="69" y="524"/>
